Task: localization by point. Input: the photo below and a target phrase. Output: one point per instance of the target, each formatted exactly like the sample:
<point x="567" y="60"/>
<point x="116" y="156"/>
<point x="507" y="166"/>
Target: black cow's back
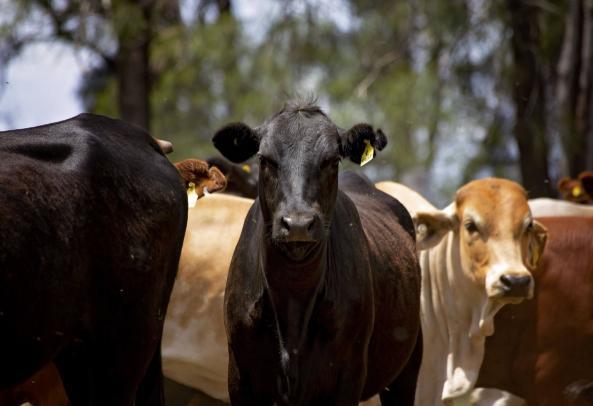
<point x="93" y="217"/>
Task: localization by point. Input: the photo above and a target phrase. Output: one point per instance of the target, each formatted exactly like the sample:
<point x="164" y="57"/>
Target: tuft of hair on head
<point x="302" y="104"/>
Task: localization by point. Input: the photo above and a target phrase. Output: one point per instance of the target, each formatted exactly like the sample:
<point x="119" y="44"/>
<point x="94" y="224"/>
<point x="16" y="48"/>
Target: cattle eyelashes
<point x="239" y="142"/>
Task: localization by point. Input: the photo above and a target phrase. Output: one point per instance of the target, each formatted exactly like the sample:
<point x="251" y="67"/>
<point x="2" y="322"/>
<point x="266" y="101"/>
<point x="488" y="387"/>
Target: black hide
<point x="323" y="293"/>
<point x="93" y="218"/>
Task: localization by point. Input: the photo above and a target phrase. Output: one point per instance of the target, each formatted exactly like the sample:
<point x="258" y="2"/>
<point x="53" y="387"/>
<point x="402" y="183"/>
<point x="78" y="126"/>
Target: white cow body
<point x="544" y="207"/>
<point x="194" y="346"/>
<point x="456" y="312"/>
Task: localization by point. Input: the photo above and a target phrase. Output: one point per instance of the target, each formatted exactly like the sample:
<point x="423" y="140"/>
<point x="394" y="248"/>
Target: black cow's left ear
<point x="237" y="142"/>
<point x="355" y="141"/>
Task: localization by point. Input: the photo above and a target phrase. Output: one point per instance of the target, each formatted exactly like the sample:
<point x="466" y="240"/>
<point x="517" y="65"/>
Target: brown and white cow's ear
<point x="237" y="142"/>
<point x="198" y="176"/>
<point x="355" y="141"/>
<point x="586" y="179"/>
<point x="431" y="227"/>
<point x="537" y="238"/>
<point x="563" y="185"/>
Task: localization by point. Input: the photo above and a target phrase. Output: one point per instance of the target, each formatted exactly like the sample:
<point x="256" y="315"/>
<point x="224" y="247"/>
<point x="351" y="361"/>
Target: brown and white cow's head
<point x="499" y="241"/>
<point x="196" y="172"/>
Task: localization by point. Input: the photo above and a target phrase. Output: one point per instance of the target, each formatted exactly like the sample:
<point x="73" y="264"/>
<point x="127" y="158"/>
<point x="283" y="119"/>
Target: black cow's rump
<point x="92" y="222"/>
<point x="323" y="293"/>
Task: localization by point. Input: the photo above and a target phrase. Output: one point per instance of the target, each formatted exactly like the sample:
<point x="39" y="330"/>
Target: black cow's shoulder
<point x="367" y="197"/>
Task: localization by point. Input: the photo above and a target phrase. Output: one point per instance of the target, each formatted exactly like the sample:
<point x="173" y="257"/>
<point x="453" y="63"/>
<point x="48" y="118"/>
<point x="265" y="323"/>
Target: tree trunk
<point x="528" y="80"/>
<point x="584" y="103"/>
<point x="132" y="20"/>
<point x="575" y="88"/>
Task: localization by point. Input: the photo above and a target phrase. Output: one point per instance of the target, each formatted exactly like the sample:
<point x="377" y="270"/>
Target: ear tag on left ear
<point x="246" y="168"/>
<point x="192" y="196"/>
<point x="368" y="154"/>
<point x="576" y="191"/>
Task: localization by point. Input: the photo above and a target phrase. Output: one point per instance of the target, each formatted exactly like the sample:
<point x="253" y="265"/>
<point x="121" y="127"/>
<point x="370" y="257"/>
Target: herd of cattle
<point x="312" y="287"/>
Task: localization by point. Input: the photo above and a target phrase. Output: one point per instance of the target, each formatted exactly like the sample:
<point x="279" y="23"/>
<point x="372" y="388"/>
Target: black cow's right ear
<point x="355" y="140"/>
<point x="236" y="141"/>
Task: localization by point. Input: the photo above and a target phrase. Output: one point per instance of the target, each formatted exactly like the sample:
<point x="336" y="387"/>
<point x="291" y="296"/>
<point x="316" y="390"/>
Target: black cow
<point x="92" y="222"/>
<point x="241" y="179"/>
<point x="322" y="297"/>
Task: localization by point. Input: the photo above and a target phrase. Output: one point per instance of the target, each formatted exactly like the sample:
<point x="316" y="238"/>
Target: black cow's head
<point x="299" y="151"/>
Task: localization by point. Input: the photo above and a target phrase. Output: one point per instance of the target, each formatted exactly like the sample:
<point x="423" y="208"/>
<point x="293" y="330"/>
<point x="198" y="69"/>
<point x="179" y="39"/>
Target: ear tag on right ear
<point x="246" y="168"/>
<point x="576" y="191"/>
<point x="192" y="196"/>
<point x="368" y="154"/>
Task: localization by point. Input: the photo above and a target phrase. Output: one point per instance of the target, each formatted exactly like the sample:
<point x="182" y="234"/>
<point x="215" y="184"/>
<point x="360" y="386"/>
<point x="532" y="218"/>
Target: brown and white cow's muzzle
<point x="511" y="284"/>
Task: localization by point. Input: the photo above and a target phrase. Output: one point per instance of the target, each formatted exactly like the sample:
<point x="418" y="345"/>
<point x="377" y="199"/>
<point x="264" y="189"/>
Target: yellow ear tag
<point x="368" y="154"/>
<point x="576" y="191"/>
<point x="192" y="196"/>
<point x="246" y="168"/>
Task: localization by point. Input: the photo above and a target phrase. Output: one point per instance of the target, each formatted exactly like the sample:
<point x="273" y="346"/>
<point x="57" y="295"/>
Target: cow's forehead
<point x="497" y="202"/>
<point x="289" y="132"/>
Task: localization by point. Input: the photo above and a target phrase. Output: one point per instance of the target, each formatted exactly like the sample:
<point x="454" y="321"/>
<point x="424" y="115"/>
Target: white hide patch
<point x="459" y="383"/>
<point x="494" y="397"/>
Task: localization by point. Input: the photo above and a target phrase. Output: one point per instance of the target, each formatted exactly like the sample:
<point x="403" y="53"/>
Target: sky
<point x="40" y="85"/>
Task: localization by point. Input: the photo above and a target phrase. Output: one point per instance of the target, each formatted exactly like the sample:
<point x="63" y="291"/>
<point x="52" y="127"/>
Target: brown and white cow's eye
<point x="529" y="226"/>
<point x="470" y="227"/>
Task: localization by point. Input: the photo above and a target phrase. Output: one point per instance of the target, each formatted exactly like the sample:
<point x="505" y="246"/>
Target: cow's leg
<point x="150" y="392"/>
<point x="73" y="365"/>
<point x="116" y="373"/>
<point x="403" y="389"/>
<point x="240" y="389"/>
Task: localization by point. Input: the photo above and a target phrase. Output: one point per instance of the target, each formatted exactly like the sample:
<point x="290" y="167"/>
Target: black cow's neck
<point x="293" y="289"/>
<point x="293" y="286"/>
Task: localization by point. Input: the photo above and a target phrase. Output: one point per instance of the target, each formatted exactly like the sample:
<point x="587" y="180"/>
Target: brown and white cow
<point x="542" y="351"/>
<point x="476" y="256"/>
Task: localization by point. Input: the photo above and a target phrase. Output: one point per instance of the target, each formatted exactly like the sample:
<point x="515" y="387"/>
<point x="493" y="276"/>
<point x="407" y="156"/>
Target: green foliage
<point x="433" y="74"/>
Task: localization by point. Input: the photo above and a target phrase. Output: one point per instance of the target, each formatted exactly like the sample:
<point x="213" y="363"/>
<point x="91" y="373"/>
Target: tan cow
<point x="475" y="258"/>
<point x="194" y="347"/>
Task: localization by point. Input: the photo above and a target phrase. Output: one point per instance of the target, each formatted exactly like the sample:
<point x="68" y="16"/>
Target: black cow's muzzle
<point x="300" y="227"/>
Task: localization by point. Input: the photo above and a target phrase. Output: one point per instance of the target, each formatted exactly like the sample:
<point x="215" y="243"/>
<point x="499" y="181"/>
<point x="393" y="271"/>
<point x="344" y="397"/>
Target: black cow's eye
<point x="334" y="162"/>
<point x="267" y="162"/>
<point x="471" y="227"/>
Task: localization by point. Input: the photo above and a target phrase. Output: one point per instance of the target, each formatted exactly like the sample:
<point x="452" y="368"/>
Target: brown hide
<point x="542" y="349"/>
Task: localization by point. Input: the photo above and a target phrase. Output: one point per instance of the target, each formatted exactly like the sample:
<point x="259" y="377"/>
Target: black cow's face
<point x="299" y="150"/>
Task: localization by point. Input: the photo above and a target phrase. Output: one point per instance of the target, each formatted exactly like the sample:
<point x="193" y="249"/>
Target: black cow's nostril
<point x="298" y="227"/>
<point x="311" y="223"/>
<point x="286" y="222"/>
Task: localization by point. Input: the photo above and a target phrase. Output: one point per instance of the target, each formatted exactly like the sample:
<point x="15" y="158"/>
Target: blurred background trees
<point x="463" y="88"/>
